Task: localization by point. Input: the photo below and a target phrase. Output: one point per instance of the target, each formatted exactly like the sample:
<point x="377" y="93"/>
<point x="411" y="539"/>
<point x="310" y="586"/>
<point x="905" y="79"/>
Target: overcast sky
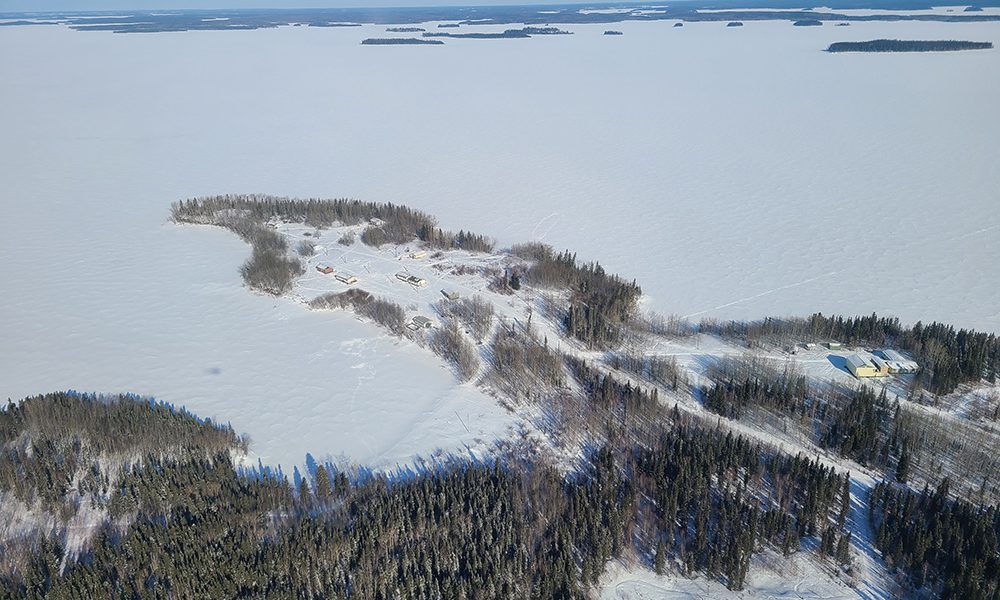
<point x="84" y="5"/>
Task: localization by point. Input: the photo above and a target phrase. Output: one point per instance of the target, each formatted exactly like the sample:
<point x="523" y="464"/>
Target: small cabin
<point x="418" y="254"/>
<point x="419" y="322"/>
<point x="325" y="269"/>
<point x="450" y="295"/>
<point x="347" y="278"/>
<point x="834" y="345"/>
<point x="411" y="279"/>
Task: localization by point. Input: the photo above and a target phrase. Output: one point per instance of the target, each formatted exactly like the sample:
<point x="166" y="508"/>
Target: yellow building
<point x="881" y="366"/>
<point x="860" y="367"/>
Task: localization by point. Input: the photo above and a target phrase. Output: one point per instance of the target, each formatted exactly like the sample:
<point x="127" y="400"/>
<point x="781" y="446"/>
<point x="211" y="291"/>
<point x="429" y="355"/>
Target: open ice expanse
<point x="734" y="172"/>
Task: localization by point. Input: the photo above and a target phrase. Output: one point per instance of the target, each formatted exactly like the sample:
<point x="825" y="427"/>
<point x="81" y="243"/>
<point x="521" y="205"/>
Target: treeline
<point x="388" y="223"/>
<point x="54" y="444"/>
<point x="703" y="500"/>
<point x="600" y="305"/>
<point x="947" y="357"/>
<point x="386" y="313"/>
<point x="908" y="46"/>
<point x="950" y="547"/>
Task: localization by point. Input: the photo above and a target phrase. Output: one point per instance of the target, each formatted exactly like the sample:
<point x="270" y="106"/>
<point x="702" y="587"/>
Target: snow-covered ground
<point x="770" y="576"/>
<point x="735" y="174"/>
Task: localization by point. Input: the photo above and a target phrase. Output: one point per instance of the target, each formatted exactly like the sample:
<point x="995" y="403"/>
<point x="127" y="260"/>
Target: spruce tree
<point x="903" y="466"/>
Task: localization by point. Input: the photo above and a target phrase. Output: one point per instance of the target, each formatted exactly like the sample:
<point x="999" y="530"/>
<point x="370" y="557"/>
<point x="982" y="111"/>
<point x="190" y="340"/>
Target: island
<point x="613" y="32"/>
<point x="405" y="29"/>
<point x="734" y="24"/>
<point x="524" y="32"/>
<point x="908" y="46"/>
<point x="808" y="23"/>
<point x="399" y="42"/>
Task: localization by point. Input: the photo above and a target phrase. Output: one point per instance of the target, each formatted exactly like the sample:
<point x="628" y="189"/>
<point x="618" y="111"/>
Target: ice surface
<point x="734" y="173"/>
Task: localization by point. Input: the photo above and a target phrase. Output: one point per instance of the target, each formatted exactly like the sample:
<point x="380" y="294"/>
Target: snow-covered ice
<point x="735" y="174"/>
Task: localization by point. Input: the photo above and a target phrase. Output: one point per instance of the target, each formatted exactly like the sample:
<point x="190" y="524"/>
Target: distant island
<point x="524" y="32"/>
<point x="808" y="23"/>
<point x="908" y="46"/>
<point x="612" y="32"/>
<point x="449" y="17"/>
<point x="405" y="29"/>
<point x="678" y="24"/>
<point x="973" y="9"/>
<point x="399" y="42"/>
<point x="734" y="24"/>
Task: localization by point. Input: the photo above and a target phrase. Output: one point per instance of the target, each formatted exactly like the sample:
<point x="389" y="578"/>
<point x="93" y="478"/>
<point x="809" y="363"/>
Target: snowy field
<point x="735" y="173"/>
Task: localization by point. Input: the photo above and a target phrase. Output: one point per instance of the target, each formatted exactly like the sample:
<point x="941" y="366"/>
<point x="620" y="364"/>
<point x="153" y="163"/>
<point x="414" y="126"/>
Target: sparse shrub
<point x="522" y="364"/>
<point x="475" y="313"/>
<point x="306" y="248"/>
<point x="374" y="236"/>
<point x="449" y="343"/>
<point x="659" y="369"/>
<point x="388" y="314"/>
<point x="656" y="324"/>
<point x="347" y="239"/>
<point x="353" y="297"/>
<point x="270" y="272"/>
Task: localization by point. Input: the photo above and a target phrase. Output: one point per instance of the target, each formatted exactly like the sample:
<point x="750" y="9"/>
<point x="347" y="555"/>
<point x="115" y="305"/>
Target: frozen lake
<point x="733" y="172"/>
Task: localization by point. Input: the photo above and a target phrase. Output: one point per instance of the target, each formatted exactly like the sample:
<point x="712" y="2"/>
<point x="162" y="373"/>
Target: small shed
<point x="347" y="278"/>
<point x="327" y="269"/>
<point x="418" y="254"/>
<point x="451" y="295"/>
<point x="834" y="345"/>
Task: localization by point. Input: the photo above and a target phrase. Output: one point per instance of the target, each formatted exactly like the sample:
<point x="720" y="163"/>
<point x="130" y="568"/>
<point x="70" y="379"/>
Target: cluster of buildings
<point x="346" y="278"/>
<point x="880" y="364"/>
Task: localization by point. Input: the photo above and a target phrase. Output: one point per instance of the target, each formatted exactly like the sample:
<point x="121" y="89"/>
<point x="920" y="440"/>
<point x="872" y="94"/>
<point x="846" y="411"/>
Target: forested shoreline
<point x="908" y="46"/>
<point x="496" y="529"/>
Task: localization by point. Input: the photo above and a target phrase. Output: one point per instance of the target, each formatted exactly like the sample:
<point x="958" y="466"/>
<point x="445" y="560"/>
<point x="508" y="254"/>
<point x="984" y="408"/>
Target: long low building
<point x="897" y="362"/>
<point x="859" y="366"/>
<point x="411" y="279"/>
